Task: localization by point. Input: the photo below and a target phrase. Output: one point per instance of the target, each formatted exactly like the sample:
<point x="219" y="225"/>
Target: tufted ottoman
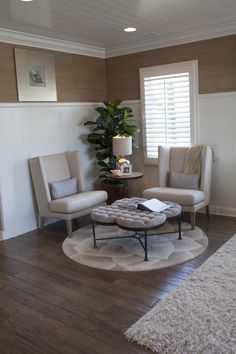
<point x="125" y="215"/>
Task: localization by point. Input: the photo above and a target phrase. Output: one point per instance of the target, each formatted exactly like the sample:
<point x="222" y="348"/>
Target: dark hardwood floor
<point x="50" y="304"/>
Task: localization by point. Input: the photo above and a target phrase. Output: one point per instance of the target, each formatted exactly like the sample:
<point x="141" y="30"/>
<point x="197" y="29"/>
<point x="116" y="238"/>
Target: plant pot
<point x="114" y="191"/>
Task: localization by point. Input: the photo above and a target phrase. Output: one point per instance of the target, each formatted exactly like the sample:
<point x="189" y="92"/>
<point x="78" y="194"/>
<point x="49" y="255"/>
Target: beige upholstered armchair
<point x="59" y="188"/>
<point x="185" y="190"/>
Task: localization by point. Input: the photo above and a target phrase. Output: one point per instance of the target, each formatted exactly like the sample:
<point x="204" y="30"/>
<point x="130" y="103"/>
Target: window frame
<point x="171" y="69"/>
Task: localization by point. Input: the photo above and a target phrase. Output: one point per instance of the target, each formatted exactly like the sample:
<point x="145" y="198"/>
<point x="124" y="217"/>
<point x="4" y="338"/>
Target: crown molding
<point x="36" y="41"/>
<point x="33" y="40"/>
<point x="173" y="39"/>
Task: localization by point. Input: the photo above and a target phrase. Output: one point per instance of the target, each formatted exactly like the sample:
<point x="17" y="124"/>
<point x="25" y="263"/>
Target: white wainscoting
<point x="217" y="127"/>
<point x="28" y="130"/>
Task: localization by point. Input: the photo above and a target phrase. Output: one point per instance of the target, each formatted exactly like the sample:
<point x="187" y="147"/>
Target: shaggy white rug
<point x="127" y="254"/>
<point x="199" y="316"/>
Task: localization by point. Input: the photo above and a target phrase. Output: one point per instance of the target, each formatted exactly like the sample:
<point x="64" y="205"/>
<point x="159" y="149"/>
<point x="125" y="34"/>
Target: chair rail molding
<point x="48" y="104"/>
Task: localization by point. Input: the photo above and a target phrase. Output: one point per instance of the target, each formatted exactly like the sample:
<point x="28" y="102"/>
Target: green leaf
<point x="128" y="109"/>
<point x="102" y="154"/>
<point x="90" y="122"/>
<point x="98" y="129"/>
<point x="94" y="138"/>
<point x="131" y="129"/>
<point x="101" y="110"/>
<point x="130" y="119"/>
<point x="125" y="114"/>
<point x="111" y="111"/>
<point x="102" y="163"/>
<point x="112" y="166"/>
<point x="116" y="102"/>
<point x="103" y="122"/>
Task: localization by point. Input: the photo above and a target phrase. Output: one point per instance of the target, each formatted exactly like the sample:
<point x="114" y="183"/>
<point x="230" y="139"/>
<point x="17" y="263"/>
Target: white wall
<point x="217" y="127"/>
<point x="28" y="130"/>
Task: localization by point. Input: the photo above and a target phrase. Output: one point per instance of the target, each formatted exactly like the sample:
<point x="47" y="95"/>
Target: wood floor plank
<point x="50" y="304"/>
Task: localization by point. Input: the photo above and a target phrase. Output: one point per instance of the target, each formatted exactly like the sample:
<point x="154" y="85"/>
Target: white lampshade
<point x="122" y="145"/>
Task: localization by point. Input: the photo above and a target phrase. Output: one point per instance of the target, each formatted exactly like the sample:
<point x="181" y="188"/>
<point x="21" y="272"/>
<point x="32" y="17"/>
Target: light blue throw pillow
<point x="61" y="189"/>
<point x="184" y="181"/>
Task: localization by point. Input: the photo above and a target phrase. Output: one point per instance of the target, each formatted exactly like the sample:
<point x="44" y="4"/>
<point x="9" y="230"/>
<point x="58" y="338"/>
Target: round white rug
<point x="127" y="254"/>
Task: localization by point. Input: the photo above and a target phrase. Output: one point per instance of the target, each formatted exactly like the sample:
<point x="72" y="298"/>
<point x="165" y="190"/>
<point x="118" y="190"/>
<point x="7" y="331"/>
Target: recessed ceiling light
<point x="27" y="0"/>
<point x="130" y="29"/>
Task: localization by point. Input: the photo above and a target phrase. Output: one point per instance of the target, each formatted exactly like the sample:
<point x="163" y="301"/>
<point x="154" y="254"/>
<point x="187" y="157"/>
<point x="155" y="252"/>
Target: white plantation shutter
<point x="167" y="94"/>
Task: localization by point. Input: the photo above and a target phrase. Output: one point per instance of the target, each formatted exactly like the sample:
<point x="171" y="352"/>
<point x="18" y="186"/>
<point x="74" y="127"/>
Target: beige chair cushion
<point x="180" y="196"/>
<point x="77" y="202"/>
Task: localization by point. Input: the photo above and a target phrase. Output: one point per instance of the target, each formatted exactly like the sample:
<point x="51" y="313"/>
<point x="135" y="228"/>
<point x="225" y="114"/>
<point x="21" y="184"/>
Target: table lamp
<point x="122" y="146"/>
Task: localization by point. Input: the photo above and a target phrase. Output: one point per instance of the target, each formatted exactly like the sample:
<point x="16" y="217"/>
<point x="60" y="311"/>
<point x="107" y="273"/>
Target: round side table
<point x="125" y="179"/>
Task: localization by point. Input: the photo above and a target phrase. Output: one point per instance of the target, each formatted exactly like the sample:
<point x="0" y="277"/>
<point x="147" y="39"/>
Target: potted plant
<point x="112" y="120"/>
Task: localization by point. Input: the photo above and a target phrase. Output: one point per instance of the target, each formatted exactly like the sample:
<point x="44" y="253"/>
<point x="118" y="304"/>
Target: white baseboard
<point x="219" y="210"/>
<point x="214" y="209"/>
<point x="224" y="211"/>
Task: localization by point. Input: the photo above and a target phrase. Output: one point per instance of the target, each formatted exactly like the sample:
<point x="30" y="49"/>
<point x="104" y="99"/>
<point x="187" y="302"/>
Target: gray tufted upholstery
<point x="174" y="210"/>
<point x="124" y="213"/>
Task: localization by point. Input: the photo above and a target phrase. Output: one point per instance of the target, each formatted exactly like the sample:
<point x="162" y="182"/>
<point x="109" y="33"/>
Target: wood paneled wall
<point x="79" y="78"/>
<point x="8" y="89"/>
<point x="216" y="58"/>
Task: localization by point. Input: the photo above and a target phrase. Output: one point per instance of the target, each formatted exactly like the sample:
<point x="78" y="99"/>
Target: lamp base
<point x="121" y="160"/>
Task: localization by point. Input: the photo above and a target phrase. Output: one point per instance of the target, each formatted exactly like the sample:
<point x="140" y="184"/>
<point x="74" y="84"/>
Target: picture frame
<point x="35" y="74"/>
<point x="126" y="169"/>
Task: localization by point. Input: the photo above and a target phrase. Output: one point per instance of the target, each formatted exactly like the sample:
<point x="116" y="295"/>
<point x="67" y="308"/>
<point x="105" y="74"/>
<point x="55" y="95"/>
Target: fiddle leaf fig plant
<point x="112" y="120"/>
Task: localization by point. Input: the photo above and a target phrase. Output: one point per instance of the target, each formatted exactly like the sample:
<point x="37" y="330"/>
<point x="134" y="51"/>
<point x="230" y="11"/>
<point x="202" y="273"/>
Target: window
<point x="169" y="106"/>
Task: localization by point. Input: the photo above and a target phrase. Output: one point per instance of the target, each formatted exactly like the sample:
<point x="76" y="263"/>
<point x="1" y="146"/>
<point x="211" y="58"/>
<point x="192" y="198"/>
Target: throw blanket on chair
<point x="193" y="160"/>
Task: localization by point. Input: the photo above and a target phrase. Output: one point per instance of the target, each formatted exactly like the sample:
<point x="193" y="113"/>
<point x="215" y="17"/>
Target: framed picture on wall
<point x="35" y="74"/>
<point x="126" y="169"/>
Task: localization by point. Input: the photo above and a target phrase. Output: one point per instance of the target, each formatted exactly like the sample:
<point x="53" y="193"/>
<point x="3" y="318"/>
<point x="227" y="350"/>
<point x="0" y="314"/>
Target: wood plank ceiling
<point x="100" y="22"/>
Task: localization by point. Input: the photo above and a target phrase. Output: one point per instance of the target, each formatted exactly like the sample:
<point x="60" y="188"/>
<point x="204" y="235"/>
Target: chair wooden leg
<point x="193" y="220"/>
<point x="208" y="212"/>
<point x="69" y="227"/>
<point x="41" y="222"/>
